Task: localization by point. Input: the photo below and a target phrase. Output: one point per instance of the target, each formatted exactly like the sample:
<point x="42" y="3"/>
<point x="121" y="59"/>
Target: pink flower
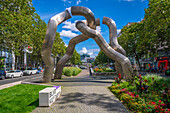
<point x="124" y="89"/>
<point x="137" y="96"/>
<point x="159" y="107"/>
<point x="160" y="101"/>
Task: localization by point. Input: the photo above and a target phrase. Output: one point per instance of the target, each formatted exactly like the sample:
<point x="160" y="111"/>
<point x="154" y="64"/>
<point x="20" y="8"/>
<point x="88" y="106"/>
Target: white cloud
<point x="79" y="1"/>
<point x="68" y="34"/>
<point x="93" y="50"/>
<point x="128" y="0"/>
<point x="69" y="25"/>
<point x="118" y="31"/>
<point x="90" y="51"/>
<point x="84" y="50"/>
<point x="98" y="28"/>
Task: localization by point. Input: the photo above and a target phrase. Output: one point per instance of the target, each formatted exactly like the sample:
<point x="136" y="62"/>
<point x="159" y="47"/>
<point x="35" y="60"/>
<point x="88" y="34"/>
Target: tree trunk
<point x="16" y="58"/>
<point x="137" y="58"/>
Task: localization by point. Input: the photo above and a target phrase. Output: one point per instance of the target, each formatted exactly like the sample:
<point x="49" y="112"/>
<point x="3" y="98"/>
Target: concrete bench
<point x="48" y="95"/>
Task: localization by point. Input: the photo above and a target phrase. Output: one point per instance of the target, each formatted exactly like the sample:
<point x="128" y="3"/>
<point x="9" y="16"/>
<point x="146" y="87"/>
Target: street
<point x="23" y="78"/>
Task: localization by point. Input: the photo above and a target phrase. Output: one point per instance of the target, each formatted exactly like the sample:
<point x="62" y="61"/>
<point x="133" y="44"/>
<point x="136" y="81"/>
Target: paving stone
<point x="84" y="94"/>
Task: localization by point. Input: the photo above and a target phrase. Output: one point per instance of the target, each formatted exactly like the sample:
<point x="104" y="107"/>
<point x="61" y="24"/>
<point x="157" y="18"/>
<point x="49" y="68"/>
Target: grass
<point x="22" y="98"/>
<point x="71" y="71"/>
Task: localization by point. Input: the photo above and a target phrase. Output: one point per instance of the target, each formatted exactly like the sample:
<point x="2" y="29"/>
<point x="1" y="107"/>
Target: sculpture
<point x="88" y="31"/>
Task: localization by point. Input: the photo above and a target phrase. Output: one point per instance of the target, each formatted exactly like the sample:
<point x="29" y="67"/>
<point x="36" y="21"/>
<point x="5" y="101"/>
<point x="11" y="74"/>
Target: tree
<point x="102" y="58"/>
<point x="156" y="24"/>
<point x="131" y="38"/>
<point x="16" y="24"/>
<point x="59" y="47"/>
<point x="75" y="59"/>
<point x="22" y="27"/>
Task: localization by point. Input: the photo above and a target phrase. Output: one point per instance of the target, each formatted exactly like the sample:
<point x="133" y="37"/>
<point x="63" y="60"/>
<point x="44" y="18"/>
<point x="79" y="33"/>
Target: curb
<point x="10" y="85"/>
<point x="36" y="83"/>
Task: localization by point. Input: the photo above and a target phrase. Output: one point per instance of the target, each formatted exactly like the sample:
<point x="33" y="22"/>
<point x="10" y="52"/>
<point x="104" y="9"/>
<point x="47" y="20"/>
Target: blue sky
<point x="121" y="11"/>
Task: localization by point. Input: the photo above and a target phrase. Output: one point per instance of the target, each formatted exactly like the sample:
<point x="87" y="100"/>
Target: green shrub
<point x="71" y="71"/>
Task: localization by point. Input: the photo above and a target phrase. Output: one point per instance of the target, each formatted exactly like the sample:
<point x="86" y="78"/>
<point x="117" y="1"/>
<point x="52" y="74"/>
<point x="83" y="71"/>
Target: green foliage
<point x="21" y="98"/>
<point x="102" y="58"/>
<point x="143" y="38"/>
<point x="71" y="71"/>
<point x="75" y="59"/>
<point x="22" y="27"/>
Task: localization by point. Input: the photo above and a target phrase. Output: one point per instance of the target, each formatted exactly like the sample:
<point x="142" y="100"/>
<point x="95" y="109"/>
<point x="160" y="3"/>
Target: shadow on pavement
<point x="93" y="99"/>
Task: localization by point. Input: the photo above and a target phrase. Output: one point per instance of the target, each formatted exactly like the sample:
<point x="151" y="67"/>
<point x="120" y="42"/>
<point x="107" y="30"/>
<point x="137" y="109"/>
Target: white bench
<point x="48" y="95"/>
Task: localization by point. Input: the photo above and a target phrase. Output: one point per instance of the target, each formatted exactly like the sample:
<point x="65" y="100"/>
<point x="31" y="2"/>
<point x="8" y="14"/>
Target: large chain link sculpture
<point x="88" y="29"/>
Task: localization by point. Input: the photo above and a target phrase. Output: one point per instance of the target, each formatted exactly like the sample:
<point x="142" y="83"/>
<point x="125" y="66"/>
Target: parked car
<point x="2" y="73"/>
<point x="40" y="70"/>
<point x="83" y="67"/>
<point x="14" y="73"/>
<point x="30" y="71"/>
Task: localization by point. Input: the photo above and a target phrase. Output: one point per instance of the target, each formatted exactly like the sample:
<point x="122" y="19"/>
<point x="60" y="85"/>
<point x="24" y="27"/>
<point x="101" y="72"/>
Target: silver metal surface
<point x="108" y="50"/>
<point x="70" y="49"/>
<point x="113" y="41"/>
<point x="51" y="32"/>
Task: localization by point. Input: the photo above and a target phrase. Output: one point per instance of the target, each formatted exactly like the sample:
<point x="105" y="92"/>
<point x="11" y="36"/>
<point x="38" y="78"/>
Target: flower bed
<point x="148" y="94"/>
<point x="103" y="70"/>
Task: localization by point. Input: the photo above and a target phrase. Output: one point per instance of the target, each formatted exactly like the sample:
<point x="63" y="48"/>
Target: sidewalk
<point x="84" y="94"/>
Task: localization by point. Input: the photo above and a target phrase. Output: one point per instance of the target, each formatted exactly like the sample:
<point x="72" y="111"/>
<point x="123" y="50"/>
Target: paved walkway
<point x="84" y="94"/>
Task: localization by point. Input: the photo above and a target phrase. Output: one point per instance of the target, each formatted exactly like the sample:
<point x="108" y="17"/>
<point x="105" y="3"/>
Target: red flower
<point x="119" y="74"/>
<point x="155" y="107"/>
<point x="119" y="92"/>
<point x="160" y="101"/>
<point x="152" y="78"/>
<point x="145" y="80"/>
<point x="163" y="85"/>
<point x="140" y="75"/>
<point x="163" y="104"/>
<point x="157" y="111"/>
<point x="120" y="77"/>
<point x="154" y="104"/>
<point x="168" y="109"/>
<point x="143" y="88"/>
<point x="115" y="78"/>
